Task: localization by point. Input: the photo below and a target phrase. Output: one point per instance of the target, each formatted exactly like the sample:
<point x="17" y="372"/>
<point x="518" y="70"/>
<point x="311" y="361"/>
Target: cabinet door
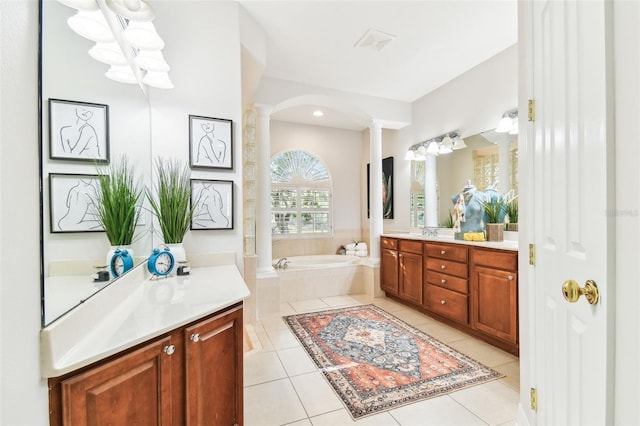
<point x="134" y="389"/>
<point x="389" y="271"/>
<point x="214" y="370"/>
<point x="411" y="277"/>
<point x="494" y="307"/>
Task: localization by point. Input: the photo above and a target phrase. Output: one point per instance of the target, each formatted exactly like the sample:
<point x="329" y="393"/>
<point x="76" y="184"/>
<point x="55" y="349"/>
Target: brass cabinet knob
<point x="443" y="281"/>
<point x="443" y="302"/>
<point x="169" y="350"/>
<point x="195" y="337"/>
<point x="443" y="266"/>
<point x="572" y="291"/>
<point x="443" y="252"/>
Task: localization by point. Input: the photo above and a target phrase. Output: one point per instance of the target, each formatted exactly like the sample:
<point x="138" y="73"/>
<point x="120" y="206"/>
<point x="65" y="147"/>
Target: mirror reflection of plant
<point x="171" y="200"/>
<point x="494" y="209"/>
<point x="511" y="209"/>
<point x="448" y="223"/>
<point x="117" y="202"/>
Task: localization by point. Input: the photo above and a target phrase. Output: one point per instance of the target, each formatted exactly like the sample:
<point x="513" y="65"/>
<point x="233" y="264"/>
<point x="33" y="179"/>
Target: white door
<point x="570" y="151"/>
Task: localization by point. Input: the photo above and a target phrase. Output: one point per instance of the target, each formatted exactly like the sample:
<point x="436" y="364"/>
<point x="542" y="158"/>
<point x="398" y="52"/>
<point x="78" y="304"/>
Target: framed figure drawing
<point x="213" y="204"/>
<point x="78" y="131"/>
<point x="210" y="142"/>
<point x="71" y="203"/>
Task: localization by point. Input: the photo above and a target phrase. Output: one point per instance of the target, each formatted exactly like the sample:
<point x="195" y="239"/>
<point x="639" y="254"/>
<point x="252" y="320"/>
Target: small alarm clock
<point x="161" y="262"/>
<point x="121" y="261"/>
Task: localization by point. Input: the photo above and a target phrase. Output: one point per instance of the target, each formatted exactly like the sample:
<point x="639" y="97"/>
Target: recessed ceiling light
<point x="318" y="113"/>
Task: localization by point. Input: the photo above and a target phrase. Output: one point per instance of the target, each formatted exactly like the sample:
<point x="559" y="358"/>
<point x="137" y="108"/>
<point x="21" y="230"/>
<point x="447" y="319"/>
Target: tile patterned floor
<point x="283" y="386"/>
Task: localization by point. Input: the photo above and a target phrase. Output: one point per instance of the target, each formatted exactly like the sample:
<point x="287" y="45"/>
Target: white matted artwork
<point x="78" y="131"/>
<point x="210" y="142"/>
<point x="213" y="204"/>
<point x="71" y="203"/>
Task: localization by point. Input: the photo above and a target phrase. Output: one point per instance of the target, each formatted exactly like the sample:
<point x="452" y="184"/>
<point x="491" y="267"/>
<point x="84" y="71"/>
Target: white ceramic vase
<point x="178" y="252"/>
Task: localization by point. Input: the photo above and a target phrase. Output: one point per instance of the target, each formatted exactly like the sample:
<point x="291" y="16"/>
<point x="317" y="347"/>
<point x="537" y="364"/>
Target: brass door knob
<point x="572" y="291"/>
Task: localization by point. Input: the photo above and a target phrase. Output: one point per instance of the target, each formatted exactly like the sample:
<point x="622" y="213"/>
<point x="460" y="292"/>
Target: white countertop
<point x="502" y="245"/>
<point x="132" y="310"/>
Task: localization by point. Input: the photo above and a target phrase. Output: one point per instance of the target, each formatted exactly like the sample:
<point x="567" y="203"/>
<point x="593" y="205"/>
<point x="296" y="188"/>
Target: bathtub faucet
<point x="281" y="263"/>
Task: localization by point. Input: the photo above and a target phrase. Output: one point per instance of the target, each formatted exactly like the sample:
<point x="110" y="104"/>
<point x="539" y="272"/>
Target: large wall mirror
<point x="69" y="75"/>
<point x="479" y="163"/>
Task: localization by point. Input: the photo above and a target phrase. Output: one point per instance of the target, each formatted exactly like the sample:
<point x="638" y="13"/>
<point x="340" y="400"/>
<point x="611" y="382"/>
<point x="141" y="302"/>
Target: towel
<point x="474" y="236"/>
<point x="360" y="253"/>
<point x="351" y="252"/>
<point x="350" y="246"/>
<point x="361" y="246"/>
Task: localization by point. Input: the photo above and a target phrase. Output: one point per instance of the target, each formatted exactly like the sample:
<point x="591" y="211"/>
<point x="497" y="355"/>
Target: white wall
<point x="202" y="45"/>
<point x="23" y="394"/>
<point x="472" y="103"/>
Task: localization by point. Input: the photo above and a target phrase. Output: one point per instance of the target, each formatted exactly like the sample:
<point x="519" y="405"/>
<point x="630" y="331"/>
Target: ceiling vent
<point x="374" y="39"/>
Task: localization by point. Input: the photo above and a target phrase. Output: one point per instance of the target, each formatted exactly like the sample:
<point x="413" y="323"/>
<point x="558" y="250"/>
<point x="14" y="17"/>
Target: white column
<point x="263" y="190"/>
<point x="375" y="188"/>
<point x="430" y="192"/>
<point x="504" y="165"/>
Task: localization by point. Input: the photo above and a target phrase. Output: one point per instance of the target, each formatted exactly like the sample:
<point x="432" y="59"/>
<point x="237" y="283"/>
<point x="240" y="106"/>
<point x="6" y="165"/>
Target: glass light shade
<point x="447" y="142"/>
<point x="410" y="155"/>
<point x="514" y="130"/>
<point x="433" y="148"/>
<point x="143" y="35"/>
<point x="108" y="53"/>
<point x="151" y="60"/>
<point x="159" y="80"/>
<point x="80" y="4"/>
<point x="459" y="143"/>
<point x="122" y="74"/>
<point x="505" y="125"/>
<point x="443" y="149"/>
<point x="133" y="10"/>
<point x="91" y="25"/>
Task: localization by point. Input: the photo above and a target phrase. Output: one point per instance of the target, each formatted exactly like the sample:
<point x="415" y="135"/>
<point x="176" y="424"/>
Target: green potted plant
<point x="117" y="204"/>
<point x="511" y="210"/>
<point x="494" y="211"/>
<point x="171" y="203"/>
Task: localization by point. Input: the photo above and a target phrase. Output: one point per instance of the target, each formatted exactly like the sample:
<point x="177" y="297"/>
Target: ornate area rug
<point x="376" y="362"/>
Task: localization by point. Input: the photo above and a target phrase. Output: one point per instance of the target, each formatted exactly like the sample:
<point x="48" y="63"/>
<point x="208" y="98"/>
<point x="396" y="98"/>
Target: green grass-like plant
<point x="448" y="223"/>
<point x="171" y="202"/>
<point x="117" y="202"/>
<point x="511" y="210"/>
<point x="494" y="209"/>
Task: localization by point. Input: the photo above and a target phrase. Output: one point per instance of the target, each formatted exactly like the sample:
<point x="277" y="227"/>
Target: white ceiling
<point x="313" y="42"/>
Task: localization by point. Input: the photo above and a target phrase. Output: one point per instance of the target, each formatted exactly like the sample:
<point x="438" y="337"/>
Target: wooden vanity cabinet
<point x="410" y="268"/>
<point x="494" y="284"/>
<point x="446" y="281"/>
<point x="389" y="265"/>
<point x="189" y="376"/>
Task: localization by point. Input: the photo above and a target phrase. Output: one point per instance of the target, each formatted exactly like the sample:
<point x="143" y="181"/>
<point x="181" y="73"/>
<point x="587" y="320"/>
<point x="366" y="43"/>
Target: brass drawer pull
<point x="443" y="302"/>
<point x="443" y="266"/>
<point x="443" y="281"/>
<point x="443" y="252"/>
<point x="510" y="277"/>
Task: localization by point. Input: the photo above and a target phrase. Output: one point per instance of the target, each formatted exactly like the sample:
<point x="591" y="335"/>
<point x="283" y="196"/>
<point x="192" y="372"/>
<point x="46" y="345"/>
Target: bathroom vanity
<point x="472" y="286"/>
<point x="150" y="351"/>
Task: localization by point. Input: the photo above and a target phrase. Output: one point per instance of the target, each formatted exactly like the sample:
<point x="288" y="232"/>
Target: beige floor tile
<point x="316" y="394"/>
<point x="388" y="304"/>
<point x="339" y="301"/>
<point x="493" y="402"/>
<point x="412" y="317"/>
<point x="512" y="370"/>
<point x="483" y="352"/>
<point x="296" y="361"/>
<point x="309" y="305"/>
<point x="261" y="367"/>
<point x="342" y="417"/>
<point x="274" y="323"/>
<point x="305" y="422"/>
<point x="442" y="332"/>
<point x="272" y="403"/>
<point x="282" y="339"/>
<point x="265" y="342"/>
<point x="440" y="411"/>
<point x="362" y="298"/>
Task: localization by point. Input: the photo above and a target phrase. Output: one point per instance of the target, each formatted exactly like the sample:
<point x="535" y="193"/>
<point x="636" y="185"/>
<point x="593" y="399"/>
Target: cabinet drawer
<point x="445" y="251"/>
<point x="410" y="246"/>
<point x="448" y="267"/>
<point x="389" y="243"/>
<point x="461" y="285"/>
<point x="495" y="259"/>
<point x="447" y="303"/>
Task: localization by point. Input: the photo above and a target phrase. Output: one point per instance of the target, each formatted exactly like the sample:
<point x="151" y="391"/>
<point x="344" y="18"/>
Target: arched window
<point x="300" y="196"/>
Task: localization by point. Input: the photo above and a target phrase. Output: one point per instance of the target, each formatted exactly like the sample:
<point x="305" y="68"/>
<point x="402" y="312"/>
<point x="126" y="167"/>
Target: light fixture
<point x="507" y="121"/>
<point x="108" y="53"/>
<point x="318" y="113"/>
<point x="121" y="74"/>
<point x="91" y="25"/>
<point x="125" y="39"/>
<point x="440" y="145"/>
<point x="158" y="79"/>
<point x="143" y="35"/>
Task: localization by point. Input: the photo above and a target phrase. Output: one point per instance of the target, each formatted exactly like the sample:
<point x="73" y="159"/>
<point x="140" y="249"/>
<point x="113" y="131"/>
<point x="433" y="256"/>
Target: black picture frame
<point x="387" y="188"/>
<point x="210" y="143"/>
<point x="78" y="131"/>
<point x="212" y="202"/>
<point x="72" y="203"/>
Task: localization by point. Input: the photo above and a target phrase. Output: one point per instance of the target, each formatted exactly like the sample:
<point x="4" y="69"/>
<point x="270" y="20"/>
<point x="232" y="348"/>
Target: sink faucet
<point x="430" y="232"/>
